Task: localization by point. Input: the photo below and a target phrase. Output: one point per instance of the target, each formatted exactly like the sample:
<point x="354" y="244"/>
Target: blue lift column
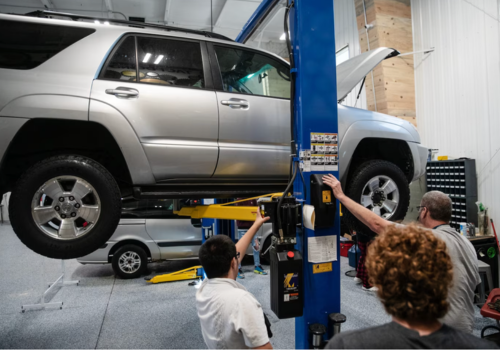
<point x="312" y="32"/>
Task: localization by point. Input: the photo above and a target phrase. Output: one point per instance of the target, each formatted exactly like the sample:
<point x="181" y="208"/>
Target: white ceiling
<point x="226" y="17"/>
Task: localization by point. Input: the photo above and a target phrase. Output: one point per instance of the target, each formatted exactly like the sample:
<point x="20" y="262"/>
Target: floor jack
<point x="191" y="273"/>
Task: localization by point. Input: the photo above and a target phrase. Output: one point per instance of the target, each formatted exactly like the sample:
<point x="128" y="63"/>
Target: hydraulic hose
<point x="293" y="169"/>
<point x="280" y="202"/>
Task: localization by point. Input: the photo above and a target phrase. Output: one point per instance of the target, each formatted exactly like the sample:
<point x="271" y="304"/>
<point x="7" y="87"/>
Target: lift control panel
<point x="323" y="201"/>
<point x="287" y="297"/>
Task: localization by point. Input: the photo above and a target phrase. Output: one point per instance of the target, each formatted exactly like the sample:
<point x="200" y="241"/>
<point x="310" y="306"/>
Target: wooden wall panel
<point x="393" y="79"/>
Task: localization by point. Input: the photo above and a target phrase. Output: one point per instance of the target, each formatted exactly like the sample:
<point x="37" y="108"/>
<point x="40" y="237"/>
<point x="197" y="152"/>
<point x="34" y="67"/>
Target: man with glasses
<point x="230" y="316"/>
<point x="435" y="214"/>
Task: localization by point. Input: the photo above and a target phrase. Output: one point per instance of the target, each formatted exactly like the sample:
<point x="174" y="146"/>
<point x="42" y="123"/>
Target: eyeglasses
<point x="420" y="207"/>
<point x="237" y="255"/>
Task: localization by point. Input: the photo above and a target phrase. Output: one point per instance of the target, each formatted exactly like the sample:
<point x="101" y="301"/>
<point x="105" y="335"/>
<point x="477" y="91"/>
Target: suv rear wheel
<point x="381" y="187"/>
<point x="65" y="207"/>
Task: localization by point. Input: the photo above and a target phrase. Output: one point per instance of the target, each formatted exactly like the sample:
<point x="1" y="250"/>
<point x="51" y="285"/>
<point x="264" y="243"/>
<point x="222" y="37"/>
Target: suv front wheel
<point x="381" y="187"/>
<point x="65" y="207"/>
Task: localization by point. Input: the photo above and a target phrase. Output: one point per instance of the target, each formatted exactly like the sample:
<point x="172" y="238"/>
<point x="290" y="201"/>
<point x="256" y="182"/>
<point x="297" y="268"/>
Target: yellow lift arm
<point x="226" y="211"/>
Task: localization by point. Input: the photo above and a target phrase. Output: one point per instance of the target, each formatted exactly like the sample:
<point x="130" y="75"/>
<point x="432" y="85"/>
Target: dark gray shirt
<point x="394" y="336"/>
<point x="465" y="278"/>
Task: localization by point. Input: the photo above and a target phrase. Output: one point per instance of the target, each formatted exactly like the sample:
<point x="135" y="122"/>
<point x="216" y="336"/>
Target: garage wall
<point x="346" y="33"/>
<point x="458" y="86"/>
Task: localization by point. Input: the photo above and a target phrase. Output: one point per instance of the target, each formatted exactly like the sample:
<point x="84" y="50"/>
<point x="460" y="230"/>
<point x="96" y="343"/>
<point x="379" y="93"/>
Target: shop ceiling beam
<point x="216" y="22"/>
<point x="109" y="8"/>
<point x="48" y="4"/>
<point x="166" y="14"/>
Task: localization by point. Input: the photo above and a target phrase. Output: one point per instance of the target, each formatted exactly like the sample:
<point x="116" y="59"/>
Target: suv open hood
<point x="352" y="71"/>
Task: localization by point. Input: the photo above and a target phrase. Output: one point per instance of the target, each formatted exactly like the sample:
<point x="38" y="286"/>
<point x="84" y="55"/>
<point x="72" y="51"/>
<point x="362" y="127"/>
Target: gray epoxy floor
<point x="105" y="312"/>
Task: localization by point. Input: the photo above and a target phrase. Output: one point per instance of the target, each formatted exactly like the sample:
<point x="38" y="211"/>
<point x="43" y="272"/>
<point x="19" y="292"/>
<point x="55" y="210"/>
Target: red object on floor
<point x="344" y="248"/>
<point x="486" y="311"/>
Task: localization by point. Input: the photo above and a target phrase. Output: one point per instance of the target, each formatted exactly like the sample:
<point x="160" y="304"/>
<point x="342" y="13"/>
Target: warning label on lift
<point x="323" y="155"/>
<point x="291" y="287"/>
<point x="320" y="268"/>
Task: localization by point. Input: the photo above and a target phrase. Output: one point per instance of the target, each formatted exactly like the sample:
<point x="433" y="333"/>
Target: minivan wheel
<point x="65" y="207"/>
<point x="381" y="187"/>
<point x="129" y="261"/>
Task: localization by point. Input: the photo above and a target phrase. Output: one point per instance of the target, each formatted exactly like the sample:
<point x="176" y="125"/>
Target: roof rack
<point x="74" y="17"/>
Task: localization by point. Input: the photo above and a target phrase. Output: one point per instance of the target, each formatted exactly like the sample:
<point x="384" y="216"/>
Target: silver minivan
<point x="148" y="232"/>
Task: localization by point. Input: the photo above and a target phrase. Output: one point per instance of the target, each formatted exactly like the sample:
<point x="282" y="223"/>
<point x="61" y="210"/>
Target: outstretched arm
<point x="244" y="242"/>
<point x="367" y="217"/>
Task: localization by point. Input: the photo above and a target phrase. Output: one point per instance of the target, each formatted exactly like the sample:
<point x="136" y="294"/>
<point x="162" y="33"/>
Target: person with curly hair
<point x="413" y="271"/>
<point x="434" y="214"/>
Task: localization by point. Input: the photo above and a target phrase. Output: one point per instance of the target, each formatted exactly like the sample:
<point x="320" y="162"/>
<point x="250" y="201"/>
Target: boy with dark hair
<point x="230" y="316"/>
<point x="413" y="272"/>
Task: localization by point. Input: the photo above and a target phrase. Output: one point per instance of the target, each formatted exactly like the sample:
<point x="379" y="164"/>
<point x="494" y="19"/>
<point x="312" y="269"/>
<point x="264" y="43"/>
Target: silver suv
<point x="91" y="113"/>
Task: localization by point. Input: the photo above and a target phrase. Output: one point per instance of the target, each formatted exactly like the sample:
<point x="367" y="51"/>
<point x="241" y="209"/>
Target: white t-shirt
<point x="230" y="316"/>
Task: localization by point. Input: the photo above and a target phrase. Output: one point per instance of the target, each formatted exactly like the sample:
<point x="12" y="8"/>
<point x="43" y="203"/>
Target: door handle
<point x="122" y="92"/>
<point x="233" y="102"/>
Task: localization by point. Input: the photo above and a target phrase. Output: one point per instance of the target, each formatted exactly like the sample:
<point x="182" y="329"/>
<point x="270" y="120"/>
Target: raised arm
<point x="244" y="242"/>
<point x="367" y="217"/>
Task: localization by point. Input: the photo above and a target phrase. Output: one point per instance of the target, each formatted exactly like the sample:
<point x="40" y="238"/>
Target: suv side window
<point x="170" y="62"/>
<point x="122" y="66"/>
<point x="248" y="72"/>
<point x="28" y="45"/>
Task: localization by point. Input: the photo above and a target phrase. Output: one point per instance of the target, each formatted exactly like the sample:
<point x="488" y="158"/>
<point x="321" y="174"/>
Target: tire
<point x="397" y="190"/>
<point x="130" y="261"/>
<point x="87" y="216"/>
<point x="265" y="246"/>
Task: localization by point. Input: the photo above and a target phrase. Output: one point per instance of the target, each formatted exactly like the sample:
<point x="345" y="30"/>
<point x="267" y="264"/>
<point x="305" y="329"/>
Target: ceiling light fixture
<point x="97" y="22"/>
<point x="107" y="23"/>
<point x="283" y="36"/>
<point x="146" y="58"/>
<point x="158" y="60"/>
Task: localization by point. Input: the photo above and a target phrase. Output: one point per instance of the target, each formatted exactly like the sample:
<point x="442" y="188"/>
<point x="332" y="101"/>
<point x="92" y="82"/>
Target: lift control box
<point x="325" y="204"/>
<point x="287" y="295"/>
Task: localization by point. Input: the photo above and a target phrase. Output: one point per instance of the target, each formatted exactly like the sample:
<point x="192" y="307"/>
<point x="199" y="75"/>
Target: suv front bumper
<point x="419" y="154"/>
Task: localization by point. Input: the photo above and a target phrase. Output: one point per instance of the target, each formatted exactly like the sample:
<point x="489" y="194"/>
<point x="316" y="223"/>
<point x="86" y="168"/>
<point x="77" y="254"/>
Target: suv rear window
<point x="27" y="45"/>
<point x="163" y="62"/>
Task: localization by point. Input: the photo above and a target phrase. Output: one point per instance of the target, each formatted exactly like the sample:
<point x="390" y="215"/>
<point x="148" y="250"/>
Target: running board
<point x="198" y="191"/>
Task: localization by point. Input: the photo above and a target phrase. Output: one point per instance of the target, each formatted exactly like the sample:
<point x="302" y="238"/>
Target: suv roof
<point x="126" y="27"/>
<point x="74" y="17"/>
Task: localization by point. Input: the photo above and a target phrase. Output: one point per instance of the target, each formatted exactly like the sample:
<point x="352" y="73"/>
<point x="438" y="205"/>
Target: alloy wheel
<point x="66" y="207"/>
<point x="129" y="262"/>
<point x="381" y="195"/>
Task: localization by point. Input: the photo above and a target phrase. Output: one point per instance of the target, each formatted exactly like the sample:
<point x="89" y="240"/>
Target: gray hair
<point x="438" y="204"/>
